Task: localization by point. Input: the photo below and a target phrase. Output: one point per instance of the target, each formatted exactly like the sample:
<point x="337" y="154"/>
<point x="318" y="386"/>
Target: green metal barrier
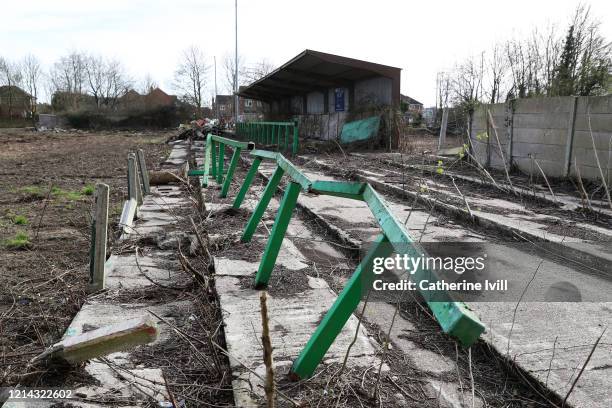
<point x="278" y="134"/>
<point x="454" y="317"/>
<point x="214" y="161"/>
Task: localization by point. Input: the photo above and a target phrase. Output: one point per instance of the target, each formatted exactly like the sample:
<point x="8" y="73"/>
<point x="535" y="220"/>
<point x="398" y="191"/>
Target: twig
<point x="551" y="360"/>
<point x="545" y="179"/>
<point x="518" y="303"/>
<point x="267" y="349"/>
<point x="603" y="179"/>
<point x="583" y="367"/>
<point x="42" y="213"/>
<point x="501" y="153"/>
<point x="348" y="350"/>
<point x="464" y="199"/>
<point x="471" y="375"/>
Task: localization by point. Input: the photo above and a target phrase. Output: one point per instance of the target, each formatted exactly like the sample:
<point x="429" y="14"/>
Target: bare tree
<point x="497" y="68"/>
<point x="191" y="75"/>
<point x="229" y="68"/>
<point x="466" y="82"/>
<point x="67" y="77"/>
<point x="148" y="84"/>
<point x="10" y="75"/>
<point x="107" y="80"/>
<point x="32" y="74"/>
<point x="257" y="71"/>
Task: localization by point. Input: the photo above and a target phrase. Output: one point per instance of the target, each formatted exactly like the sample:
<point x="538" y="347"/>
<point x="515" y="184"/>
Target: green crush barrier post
<point x="248" y="179"/>
<point x="269" y="191"/>
<point x="277" y="235"/>
<point x="230" y="172"/>
<point x="294" y="149"/>
<point x="221" y="159"/>
<point x="340" y="312"/>
<point x="213" y="170"/>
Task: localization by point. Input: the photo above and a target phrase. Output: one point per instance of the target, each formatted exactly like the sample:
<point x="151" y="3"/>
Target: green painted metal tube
<point x="294" y="147"/>
<point x="264" y="154"/>
<point x="353" y="191"/>
<point x="340" y="312"/>
<point x="454" y="317"/>
<point x="230" y="172"/>
<point x="269" y="191"/>
<point x="214" y="159"/>
<point x="221" y="159"/>
<point x="286" y="138"/>
<point x="230" y="142"/>
<point x="246" y="184"/>
<point x="283" y="216"/>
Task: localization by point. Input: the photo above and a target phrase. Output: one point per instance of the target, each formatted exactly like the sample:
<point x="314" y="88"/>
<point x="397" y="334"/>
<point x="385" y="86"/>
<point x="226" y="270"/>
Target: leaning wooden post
<point x="133" y="190"/>
<point x="97" y="276"/>
<point x="144" y="173"/>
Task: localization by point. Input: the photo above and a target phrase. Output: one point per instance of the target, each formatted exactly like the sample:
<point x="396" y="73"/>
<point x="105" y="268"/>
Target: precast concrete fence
<point x="566" y="135"/>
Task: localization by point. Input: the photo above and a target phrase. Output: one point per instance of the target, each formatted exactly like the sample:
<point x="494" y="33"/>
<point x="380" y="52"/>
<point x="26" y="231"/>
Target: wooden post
<point x="97" y="274"/>
<point x="144" y="173"/>
<point x="442" y="139"/>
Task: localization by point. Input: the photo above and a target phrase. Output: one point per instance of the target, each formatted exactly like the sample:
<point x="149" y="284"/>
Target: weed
<point x="21" y="240"/>
<point x="34" y="191"/>
<point x="88" y="190"/>
<point x="20" y="220"/>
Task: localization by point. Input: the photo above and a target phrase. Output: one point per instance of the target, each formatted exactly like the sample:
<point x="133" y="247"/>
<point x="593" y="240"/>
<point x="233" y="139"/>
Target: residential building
<point x="15" y="102"/>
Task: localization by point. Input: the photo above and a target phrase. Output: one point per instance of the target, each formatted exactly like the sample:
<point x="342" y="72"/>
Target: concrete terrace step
<point x="537" y="329"/>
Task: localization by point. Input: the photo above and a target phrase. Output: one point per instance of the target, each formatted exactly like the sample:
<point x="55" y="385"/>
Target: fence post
<point x="510" y="128"/>
<point x="133" y="190"/>
<point x="247" y="182"/>
<point x="144" y="173"/>
<point x="97" y="274"/>
<point x="230" y="172"/>
<point x="285" y="210"/>
<point x="569" y="144"/>
<point x="269" y="191"/>
<point x="341" y="311"/>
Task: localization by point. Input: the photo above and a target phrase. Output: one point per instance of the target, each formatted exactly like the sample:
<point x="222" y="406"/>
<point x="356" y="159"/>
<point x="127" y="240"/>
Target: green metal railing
<point x="283" y="135"/>
<point x="454" y="317"/>
<point x="214" y="161"/>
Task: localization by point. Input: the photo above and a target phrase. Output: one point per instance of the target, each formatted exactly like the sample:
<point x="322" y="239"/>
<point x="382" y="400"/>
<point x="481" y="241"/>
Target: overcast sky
<point x="421" y="37"/>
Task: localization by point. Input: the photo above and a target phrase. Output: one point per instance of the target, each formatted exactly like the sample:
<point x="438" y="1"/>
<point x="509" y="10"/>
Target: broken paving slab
<point x="104" y="340"/>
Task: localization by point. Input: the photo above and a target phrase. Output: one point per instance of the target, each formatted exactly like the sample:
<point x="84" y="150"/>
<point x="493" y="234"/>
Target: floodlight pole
<point x="236" y="65"/>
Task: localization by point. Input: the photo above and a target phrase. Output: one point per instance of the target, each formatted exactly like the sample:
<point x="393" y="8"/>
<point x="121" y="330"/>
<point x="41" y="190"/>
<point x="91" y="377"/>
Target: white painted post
<point x="133" y="190"/>
<point x="144" y="173"/>
<point x="97" y="276"/>
<point x="442" y="139"/>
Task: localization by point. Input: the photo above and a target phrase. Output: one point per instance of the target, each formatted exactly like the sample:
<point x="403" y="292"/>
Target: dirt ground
<point x="46" y="196"/>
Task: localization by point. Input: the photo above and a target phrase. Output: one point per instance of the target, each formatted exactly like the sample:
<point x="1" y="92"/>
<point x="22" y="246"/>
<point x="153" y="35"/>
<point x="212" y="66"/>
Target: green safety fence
<point x="214" y="161"/>
<point x="454" y="317"/>
<point x="283" y="135"/>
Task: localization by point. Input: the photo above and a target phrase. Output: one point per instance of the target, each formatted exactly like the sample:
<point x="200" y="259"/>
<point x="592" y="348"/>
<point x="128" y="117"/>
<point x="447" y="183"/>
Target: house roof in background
<point x="409" y="100"/>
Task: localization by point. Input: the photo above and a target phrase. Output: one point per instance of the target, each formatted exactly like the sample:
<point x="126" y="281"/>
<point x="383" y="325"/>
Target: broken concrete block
<point x="105" y="340"/>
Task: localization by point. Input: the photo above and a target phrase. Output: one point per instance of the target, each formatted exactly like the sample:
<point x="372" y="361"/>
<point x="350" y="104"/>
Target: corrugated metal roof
<point x="314" y="70"/>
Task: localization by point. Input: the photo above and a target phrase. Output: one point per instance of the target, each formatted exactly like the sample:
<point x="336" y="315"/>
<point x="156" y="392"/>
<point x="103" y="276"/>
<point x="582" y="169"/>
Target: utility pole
<point x="216" y="104"/>
<point x="236" y="64"/>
